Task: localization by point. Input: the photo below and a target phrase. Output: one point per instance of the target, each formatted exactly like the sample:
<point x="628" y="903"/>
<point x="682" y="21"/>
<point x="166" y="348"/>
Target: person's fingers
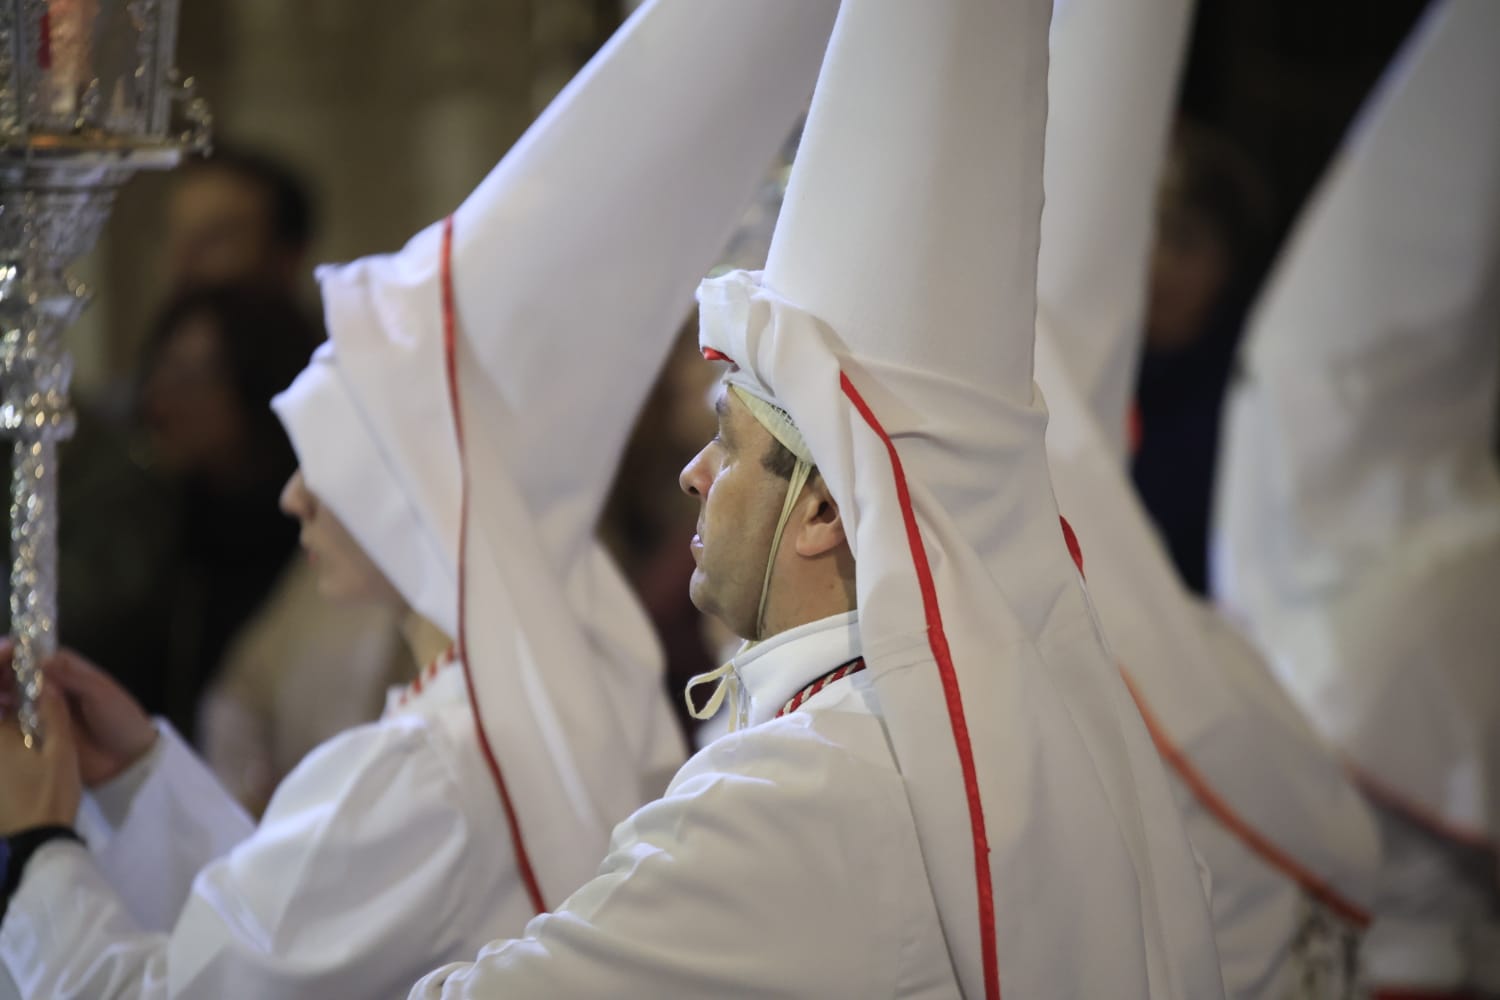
<point x="57" y="722"/>
<point x="68" y="672"/>
<point x="58" y="671"/>
<point x="11" y="739"/>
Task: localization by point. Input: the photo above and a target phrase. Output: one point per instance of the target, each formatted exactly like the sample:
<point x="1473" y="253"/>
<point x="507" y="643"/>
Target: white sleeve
<point x="781" y="879"/>
<point x="166" y="824"/>
<point x="66" y="935"/>
<point x="350" y="888"/>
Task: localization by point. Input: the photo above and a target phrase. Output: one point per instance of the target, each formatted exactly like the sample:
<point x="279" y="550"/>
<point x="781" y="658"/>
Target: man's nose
<point x="692" y="479"/>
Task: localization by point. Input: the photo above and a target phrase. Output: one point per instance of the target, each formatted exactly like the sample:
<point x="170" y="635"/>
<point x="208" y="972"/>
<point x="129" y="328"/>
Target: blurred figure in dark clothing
<point x="137" y="514"/>
<point x="1215" y="227"/>
<point x="170" y="536"/>
<point x="216" y="357"/>
<point x="238" y="217"/>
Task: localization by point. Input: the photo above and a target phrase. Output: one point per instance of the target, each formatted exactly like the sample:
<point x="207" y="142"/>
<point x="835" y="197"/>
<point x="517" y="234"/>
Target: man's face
<point x="219" y="230"/>
<point x="739" y="500"/>
<point x="1190" y="268"/>
<point x="189" y="402"/>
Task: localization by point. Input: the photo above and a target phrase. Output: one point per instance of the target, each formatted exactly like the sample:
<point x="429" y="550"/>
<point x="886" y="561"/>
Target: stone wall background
<point x="392" y="110"/>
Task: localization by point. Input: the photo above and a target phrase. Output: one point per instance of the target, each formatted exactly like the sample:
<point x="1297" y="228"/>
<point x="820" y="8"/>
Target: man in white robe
<point x="1358" y="520"/>
<point x="1288" y="840"/>
<point x="938" y="785"/>
<point x="488" y="791"/>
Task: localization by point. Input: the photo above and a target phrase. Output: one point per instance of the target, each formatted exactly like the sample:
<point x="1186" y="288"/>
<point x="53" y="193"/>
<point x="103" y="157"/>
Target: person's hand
<point x="39" y="787"/>
<point x="110" y="729"/>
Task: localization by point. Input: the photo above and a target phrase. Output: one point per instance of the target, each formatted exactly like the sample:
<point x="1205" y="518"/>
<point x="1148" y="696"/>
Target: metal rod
<point x="33" y="573"/>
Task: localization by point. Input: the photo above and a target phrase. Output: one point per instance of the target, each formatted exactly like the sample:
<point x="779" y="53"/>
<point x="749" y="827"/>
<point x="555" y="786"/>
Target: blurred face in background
<point x="190" y="405"/>
<point x="220" y="229"/>
<point x="345" y="571"/>
<point x="1190" y="270"/>
<point x="1215" y="224"/>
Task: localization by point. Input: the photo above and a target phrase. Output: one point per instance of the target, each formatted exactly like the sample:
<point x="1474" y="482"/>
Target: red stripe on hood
<point x="450" y="357"/>
<point x="937" y="640"/>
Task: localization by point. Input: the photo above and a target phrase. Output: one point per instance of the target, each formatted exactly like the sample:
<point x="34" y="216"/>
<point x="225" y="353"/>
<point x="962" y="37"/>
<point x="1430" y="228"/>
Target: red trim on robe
<point x="1221" y="810"/>
<point x="450" y="357"/>
<point x="1388" y="797"/>
<point x="937" y="640"/>
<point x="428" y="674"/>
<point x="1074" y="549"/>
<point x="854" y="666"/>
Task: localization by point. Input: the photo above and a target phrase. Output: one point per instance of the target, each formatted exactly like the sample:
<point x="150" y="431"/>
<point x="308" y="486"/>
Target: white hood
<point x="554" y="296"/>
<point x="1259" y="769"/>
<point x="1358" y="517"/>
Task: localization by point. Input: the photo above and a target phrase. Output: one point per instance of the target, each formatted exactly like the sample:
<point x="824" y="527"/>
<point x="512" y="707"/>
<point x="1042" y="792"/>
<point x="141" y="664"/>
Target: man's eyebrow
<point x="721" y="407"/>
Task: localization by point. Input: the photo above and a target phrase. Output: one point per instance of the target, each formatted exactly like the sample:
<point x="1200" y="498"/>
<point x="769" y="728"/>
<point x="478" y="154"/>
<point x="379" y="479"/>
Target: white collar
<point x="771" y="672"/>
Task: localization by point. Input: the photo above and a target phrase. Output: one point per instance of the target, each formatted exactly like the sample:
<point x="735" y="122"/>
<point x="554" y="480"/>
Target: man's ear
<point x="819" y="527"/>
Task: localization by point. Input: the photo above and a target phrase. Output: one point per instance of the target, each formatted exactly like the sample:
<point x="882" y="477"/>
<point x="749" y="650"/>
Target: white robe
<point x="725" y="886"/>
<point x="1292" y="849"/>
<point x="383" y="854"/>
<point x="1275" y="936"/>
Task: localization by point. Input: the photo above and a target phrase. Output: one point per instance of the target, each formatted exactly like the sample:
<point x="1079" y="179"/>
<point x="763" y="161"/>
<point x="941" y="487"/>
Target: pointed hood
<point x="894" y="324"/>
<point x="370" y="421"/>
<point x="1112" y="88"/>
<point x="538" y="315"/>
<point x="1220" y="718"/>
<point x="1358" y="478"/>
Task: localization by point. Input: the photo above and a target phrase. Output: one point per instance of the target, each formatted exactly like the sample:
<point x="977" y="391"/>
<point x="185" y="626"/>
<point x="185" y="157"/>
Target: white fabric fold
<point x="1111" y="88"/>
<point x="1357" y="519"/>
<point x="1213" y="698"/>
<point x="381" y="456"/>
<point x="1266" y="802"/>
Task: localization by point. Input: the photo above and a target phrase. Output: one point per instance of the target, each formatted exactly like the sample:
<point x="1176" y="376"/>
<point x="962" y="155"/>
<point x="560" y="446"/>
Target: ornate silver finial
<point x="87" y="97"/>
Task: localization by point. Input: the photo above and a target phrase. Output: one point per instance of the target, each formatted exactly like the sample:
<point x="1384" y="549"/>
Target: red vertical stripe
<point x="450" y="356"/>
<point x="938" y="641"/>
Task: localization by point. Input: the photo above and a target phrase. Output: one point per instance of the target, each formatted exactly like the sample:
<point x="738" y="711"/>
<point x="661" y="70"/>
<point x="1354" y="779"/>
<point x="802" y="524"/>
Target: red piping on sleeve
<point x="1252" y="838"/>
<point x="1388" y="797"/>
<point x="1256" y="842"/>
